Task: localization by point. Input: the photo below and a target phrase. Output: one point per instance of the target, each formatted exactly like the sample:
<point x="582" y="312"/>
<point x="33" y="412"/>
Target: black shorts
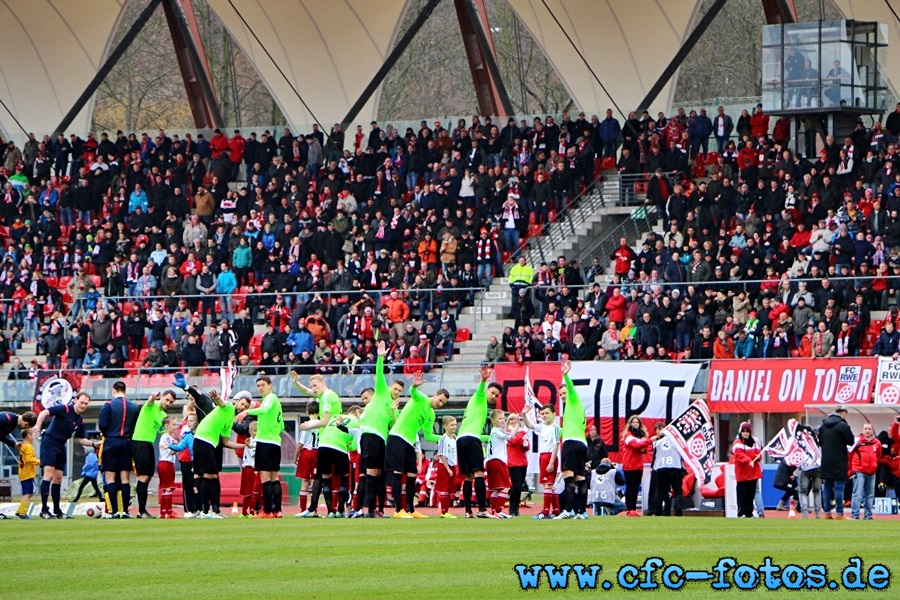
<point x="53" y="454"/>
<point x="116" y="456"/>
<point x="400" y="456"/>
<point x="371" y="452"/>
<point x="268" y="457"/>
<point x="144" y="458"/>
<point x="329" y="460"/>
<point x="574" y="456"/>
<point x="205" y="458"/>
<point x="470" y="455"/>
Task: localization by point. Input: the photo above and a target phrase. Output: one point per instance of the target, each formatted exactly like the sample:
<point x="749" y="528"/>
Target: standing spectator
<point x="212" y="347"/>
<point x="609" y="133"/>
<point x="864" y="459"/>
<point x="834" y="439"/>
<point x="635" y="452"/>
<point x="226" y="283"/>
<point x="746" y="453"/>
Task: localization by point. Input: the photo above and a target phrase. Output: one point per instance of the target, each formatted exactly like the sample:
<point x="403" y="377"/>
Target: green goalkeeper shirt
<point x="476" y="414"/>
<point x="149" y="423"/>
<point x="573" y="419"/>
<point x="269" y="421"/>
<point x="216" y="425"/>
<point x="377" y="416"/>
<point x="417" y="415"/>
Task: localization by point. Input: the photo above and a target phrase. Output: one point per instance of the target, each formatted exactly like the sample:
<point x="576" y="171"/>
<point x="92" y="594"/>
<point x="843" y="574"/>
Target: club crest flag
<point x="228" y="374"/>
<point x="695" y="439"/>
<point x="795" y="445"/>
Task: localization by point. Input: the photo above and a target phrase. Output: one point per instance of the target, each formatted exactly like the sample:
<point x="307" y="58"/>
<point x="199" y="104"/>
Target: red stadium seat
<point x="534" y="230"/>
<point x="712" y="158"/>
<point x="463" y="335"/>
<point x="52" y="281"/>
<point x="609" y="162"/>
<point x="63" y="282"/>
<point x="95" y="279"/>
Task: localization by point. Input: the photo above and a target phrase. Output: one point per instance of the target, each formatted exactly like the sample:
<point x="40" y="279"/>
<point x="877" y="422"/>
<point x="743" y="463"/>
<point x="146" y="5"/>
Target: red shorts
<point x="545" y="478"/>
<point x="445" y="482"/>
<point x="166" y="472"/>
<point x="306" y="464"/>
<point x="249" y="481"/>
<point x="497" y="475"/>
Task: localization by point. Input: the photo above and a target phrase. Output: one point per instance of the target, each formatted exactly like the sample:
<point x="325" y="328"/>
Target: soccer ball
<point x="94" y="512"/>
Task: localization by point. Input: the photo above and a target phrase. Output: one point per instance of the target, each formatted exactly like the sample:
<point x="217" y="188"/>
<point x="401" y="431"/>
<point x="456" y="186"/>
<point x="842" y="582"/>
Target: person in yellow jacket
<point x="28" y="464"/>
<point x="521" y="275"/>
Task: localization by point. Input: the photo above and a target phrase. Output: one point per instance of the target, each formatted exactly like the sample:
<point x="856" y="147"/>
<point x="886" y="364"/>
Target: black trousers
<point x="632" y="483"/>
<point x="191" y="502"/>
<point x="668" y="480"/>
<point x="517" y="477"/>
<point x="746" y="492"/>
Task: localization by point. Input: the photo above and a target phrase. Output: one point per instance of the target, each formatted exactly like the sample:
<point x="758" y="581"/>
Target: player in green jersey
<point x="329" y="460"/>
<point x="469" y="443"/>
<point x="148" y="426"/>
<point x="400" y="456"/>
<point x="574" y="450"/>
<point x="213" y="431"/>
<point x="268" y="445"/>
<point x="375" y="423"/>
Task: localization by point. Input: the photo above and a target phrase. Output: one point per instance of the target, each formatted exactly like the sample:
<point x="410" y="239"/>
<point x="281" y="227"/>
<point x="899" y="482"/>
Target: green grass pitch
<point x="232" y="558"/>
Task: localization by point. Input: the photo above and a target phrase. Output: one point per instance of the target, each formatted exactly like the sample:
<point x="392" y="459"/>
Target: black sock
<point x="382" y="492"/>
<point x="481" y="494"/>
<point x="54" y="494"/>
<point x="216" y="486"/>
<point x="142" y="496"/>
<point x="45" y="494"/>
<point x="204" y="494"/>
<point x="410" y="493"/>
<point x="568" y="498"/>
<point x="268" y="502"/>
<point x="361" y="491"/>
<point x="314" y="495"/>
<point x="343" y="494"/>
<point x="276" y="495"/>
<point x="467" y="496"/>
<point x="581" y="498"/>
<point x="326" y="493"/>
<point x="396" y="490"/>
<point x="112" y="490"/>
<point x="125" y="488"/>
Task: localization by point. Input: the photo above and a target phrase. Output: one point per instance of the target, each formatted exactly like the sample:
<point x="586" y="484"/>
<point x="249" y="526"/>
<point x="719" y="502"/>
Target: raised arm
<point x="300" y="387"/>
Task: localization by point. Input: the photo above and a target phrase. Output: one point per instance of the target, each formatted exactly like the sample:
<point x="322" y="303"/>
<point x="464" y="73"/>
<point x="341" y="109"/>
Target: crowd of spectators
<point x="759" y="252"/>
<point x="163" y="251"/>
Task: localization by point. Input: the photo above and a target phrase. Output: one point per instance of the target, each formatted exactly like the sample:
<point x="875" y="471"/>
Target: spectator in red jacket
<point x="863" y="464"/>
<point x="635" y="452"/>
<point x="759" y="123"/>
<point x="723" y="347"/>
<point x="236" y="146"/>
<point x="414" y="363"/>
<point x="517" y="461"/>
<point x="623" y="256"/>
<point x="615" y="307"/>
<point x="745" y="453"/>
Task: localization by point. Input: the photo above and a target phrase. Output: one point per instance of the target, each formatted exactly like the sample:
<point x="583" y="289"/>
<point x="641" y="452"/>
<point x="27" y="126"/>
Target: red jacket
<point x="615" y="308"/>
<point x="517" y="450"/>
<point x="217" y="145"/>
<point x="759" y="125"/>
<point x="635" y="452"/>
<point x="865" y="457"/>
<point x="742" y="456"/>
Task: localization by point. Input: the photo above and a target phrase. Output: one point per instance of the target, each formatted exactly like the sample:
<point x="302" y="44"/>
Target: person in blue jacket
<point x="89" y="473"/>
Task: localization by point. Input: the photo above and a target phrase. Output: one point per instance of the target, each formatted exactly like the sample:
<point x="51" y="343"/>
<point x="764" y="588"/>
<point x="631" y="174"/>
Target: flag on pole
<point x="795" y="445"/>
<point x="695" y="439"/>
<point x="227" y="374"/>
<point x="531" y="399"/>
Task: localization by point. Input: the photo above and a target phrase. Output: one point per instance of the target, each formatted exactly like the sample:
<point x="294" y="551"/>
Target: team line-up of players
<point x="385" y="436"/>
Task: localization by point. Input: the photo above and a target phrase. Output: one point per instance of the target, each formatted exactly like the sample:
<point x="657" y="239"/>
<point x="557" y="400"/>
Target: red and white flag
<point x="695" y="439"/>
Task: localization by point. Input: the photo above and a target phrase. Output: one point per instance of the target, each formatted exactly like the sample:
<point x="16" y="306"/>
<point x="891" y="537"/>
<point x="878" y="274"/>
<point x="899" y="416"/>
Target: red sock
<point x="554" y="502"/>
<point x="495" y="500"/>
<point x="248" y="504"/>
<point x="547" y="502"/>
<point x="165" y="502"/>
<point x="304" y="498"/>
<point x="444" y="502"/>
<point x="502" y="497"/>
<point x="335" y="492"/>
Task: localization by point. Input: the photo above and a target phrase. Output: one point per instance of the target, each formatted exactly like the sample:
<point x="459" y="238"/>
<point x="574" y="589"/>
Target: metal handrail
<point x="637" y="224"/>
<point x="567" y="219"/>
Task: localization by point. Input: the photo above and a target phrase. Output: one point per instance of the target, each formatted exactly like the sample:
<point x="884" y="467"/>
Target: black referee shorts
<point x="205" y="462"/>
<point x="116" y="455"/>
<point x="400" y="456"/>
<point x="371" y="451"/>
<point x="144" y="459"/>
<point x="574" y="457"/>
<point x="268" y="457"/>
<point x="335" y="462"/>
<point x="470" y="455"/>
